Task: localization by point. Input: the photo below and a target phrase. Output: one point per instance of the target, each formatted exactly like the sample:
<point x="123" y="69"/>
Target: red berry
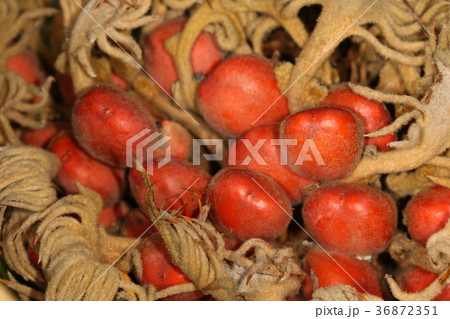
<point x="119" y="81"/>
<point x="159" y="63"/>
<point x="329" y="142"/>
<point x="238" y="93"/>
<point x="170" y="182"/>
<point x="373" y="114"/>
<point x="427" y="213"/>
<point x="41" y="137"/>
<point x="351" y="218"/>
<point x="27" y="65"/>
<point x="158" y="269"/>
<point x="137" y="224"/>
<point x="248" y="204"/>
<point x="334" y="268"/>
<point x="65" y="85"/>
<point x="109" y="215"/>
<point x="104" y="118"/>
<point x="77" y="166"/>
<point x="180" y="142"/>
<point x="34" y="257"/>
<point x="270" y="162"/>
<point x="417" y="279"/>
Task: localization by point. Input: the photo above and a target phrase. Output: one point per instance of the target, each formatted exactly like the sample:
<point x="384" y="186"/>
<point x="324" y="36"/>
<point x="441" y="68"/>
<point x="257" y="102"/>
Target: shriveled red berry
<point x="427" y="213"/>
<point x="105" y="117"/>
<point x="176" y="184"/>
<point x="77" y="166"/>
<point x="27" y="65"/>
<point x="41" y="137"/>
<point x="248" y="204"/>
<point x="259" y="149"/>
<point x="241" y="91"/>
<point x="334" y="268"/>
<point x="417" y="279"/>
<point x="351" y="218"/>
<point x="159" y="63"/>
<point x="328" y="142"/>
<point x="373" y="114"/>
<point x="158" y="269"/>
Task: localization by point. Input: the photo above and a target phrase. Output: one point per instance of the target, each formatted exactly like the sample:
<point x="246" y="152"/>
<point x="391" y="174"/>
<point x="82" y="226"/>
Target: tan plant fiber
<point x="25" y="178"/>
<point x="14" y="23"/>
<point x="438" y="250"/>
<point x="18" y="105"/>
<point x="70" y="251"/>
<point x="341" y="293"/>
<point x="428" y="135"/>
<point x="341" y="19"/>
<point x="94" y="26"/>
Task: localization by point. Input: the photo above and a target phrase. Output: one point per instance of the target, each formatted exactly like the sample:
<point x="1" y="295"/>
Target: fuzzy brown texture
<point x="18" y="106"/>
<point x="407" y="252"/>
<point x="411" y="183"/>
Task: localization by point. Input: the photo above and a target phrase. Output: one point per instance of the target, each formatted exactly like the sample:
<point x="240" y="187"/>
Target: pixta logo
<point x="145" y="146"/>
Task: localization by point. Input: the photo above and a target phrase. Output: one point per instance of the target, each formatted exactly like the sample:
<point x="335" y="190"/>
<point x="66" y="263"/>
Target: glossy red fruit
<point x="248" y="204"/>
<point x="373" y="114"/>
<point x="180" y="142"/>
<point x="27" y="65"/>
<point x="41" y="137"/>
<point x="241" y="93"/>
<point x="105" y="117"/>
<point x="351" y="218"/>
<point x="427" y="213"/>
<point x="264" y="142"/>
<point x="110" y="215"/>
<point x="137" y="224"/>
<point x="158" y="269"/>
<point x="334" y="268"/>
<point x="417" y="279"/>
<point x="175" y="184"/>
<point x="77" y="166"/>
<point x="159" y="62"/>
<point x="328" y="142"/>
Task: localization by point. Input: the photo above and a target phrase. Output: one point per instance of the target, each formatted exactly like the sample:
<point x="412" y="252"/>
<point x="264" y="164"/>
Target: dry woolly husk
<point x="25" y="187"/>
<point x="14" y="23"/>
<point x="342" y="293"/>
<point x="396" y="24"/>
<point x="100" y="24"/>
<point x="26" y="173"/>
<point x="428" y="135"/>
<point x="72" y="251"/>
<point x="19" y="105"/>
<point x="438" y="253"/>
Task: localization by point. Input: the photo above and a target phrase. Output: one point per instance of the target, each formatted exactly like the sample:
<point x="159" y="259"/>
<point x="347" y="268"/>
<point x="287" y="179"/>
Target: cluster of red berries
<point x="268" y="167"/>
